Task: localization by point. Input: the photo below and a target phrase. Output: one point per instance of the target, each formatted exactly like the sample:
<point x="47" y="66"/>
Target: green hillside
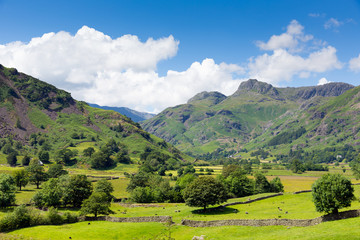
<point x="36" y="116"/>
<point x="255" y="114"/>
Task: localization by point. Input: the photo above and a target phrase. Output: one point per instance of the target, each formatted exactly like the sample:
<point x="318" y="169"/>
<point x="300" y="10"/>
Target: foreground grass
<point x="343" y="229"/>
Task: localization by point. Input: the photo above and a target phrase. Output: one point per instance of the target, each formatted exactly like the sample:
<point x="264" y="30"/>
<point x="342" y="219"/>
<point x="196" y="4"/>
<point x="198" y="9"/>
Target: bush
<point x="19" y="218"/>
<point x="53" y="217"/>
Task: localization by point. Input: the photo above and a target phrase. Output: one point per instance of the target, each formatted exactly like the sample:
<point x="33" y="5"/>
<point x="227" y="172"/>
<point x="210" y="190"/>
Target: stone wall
<point x="161" y="219"/>
<point x="252" y="200"/>
<point x="303" y="191"/>
<point x="273" y="222"/>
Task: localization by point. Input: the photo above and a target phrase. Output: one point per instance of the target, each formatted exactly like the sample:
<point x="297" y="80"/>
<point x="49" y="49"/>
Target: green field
<point x="297" y="206"/>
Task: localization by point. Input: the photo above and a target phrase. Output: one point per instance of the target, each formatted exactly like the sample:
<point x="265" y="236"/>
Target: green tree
<point x="64" y="156"/>
<point x="25" y="161"/>
<point x="7" y="190"/>
<point x="262" y="185"/>
<point x="100" y="160"/>
<point x="21" y="178"/>
<point x="205" y="191"/>
<point x="44" y="156"/>
<point x="240" y="185"/>
<point x="50" y="194"/>
<point x="296" y="166"/>
<point x="36" y="172"/>
<point x="97" y="203"/>
<point x="88" y="152"/>
<point x="76" y="189"/>
<point x="56" y="171"/>
<point x="142" y="195"/>
<point x="276" y="185"/>
<point x="106" y="187"/>
<point x="355" y="167"/>
<point x="185" y="180"/>
<point x="140" y="179"/>
<point x="12" y="159"/>
<point x="332" y="192"/>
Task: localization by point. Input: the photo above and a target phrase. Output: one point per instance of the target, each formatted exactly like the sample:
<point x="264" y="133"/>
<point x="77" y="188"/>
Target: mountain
<point x="250" y="117"/>
<point x="34" y="114"/>
<point x="130" y="113"/>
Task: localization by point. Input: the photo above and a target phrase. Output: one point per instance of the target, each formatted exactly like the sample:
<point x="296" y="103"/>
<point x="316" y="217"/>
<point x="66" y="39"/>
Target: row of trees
<point x="149" y="187"/>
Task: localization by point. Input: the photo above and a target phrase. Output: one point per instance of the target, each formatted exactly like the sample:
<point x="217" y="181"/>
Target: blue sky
<point x="206" y="45"/>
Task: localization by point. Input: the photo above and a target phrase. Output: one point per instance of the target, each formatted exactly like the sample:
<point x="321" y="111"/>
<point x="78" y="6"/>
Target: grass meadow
<point x="297" y="206"/>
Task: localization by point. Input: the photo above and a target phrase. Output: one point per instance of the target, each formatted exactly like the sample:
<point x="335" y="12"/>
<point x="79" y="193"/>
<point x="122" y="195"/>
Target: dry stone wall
<point x="161" y="219"/>
<point x="273" y="222"/>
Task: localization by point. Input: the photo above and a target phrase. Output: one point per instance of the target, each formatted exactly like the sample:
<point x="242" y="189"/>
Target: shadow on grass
<point x="7" y="209"/>
<point x="25" y="190"/>
<point x="215" y="211"/>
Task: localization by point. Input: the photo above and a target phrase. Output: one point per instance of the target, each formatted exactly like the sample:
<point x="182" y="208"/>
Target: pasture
<point x="293" y="206"/>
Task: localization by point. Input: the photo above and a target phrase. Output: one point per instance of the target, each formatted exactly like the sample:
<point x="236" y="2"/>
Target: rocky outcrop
<point x="257" y="86"/>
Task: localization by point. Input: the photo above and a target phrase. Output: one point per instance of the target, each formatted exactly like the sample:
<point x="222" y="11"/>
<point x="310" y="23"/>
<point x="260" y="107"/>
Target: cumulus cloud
<point x="116" y="72"/>
<point x="288" y="40"/>
<point x="323" y="81"/>
<point x="283" y="64"/>
<point x="147" y="91"/>
<point x="354" y="64"/>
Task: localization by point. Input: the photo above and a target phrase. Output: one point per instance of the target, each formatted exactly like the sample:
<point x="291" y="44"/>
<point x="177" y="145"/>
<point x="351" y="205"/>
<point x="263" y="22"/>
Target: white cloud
<point x="58" y="57"/>
<point x="354" y="64"/>
<point x="288" y="40"/>
<point x="332" y="23"/>
<point x="283" y="64"/>
<point x="323" y="81"/>
<point x="116" y="72"/>
<point x="148" y="91"/>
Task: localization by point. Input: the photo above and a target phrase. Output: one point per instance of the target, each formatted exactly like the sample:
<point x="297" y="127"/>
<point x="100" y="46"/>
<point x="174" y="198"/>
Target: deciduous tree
<point x="332" y="192"/>
<point x="205" y="191"/>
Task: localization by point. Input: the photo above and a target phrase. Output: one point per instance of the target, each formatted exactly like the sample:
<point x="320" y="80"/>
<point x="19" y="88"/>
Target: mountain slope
<point x="211" y="120"/>
<point x="33" y="112"/>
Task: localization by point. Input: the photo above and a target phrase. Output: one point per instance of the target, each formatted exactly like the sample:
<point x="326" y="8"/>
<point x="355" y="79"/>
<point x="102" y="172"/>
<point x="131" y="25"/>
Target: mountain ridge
<point x="235" y="122"/>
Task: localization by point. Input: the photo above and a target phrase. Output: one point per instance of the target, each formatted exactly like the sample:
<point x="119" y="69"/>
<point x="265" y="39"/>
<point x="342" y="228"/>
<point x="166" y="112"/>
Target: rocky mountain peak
<point x="256" y="86"/>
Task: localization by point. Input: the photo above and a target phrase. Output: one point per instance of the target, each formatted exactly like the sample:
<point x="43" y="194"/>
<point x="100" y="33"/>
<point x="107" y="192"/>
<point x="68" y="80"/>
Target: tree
<point x="21" y="178"/>
<point x="12" y="159"/>
<point x="36" y="172"/>
<point x="88" y="151"/>
<point x="240" y="185"/>
<point x="50" y="194"/>
<point x="276" y="185"/>
<point x="106" y="187"/>
<point x="56" y="171"/>
<point x="140" y="179"/>
<point x="7" y="190"/>
<point x="100" y="160"/>
<point x="332" y="192"/>
<point x="185" y="180"/>
<point x="142" y="195"/>
<point x="355" y="167"/>
<point x="64" y="156"/>
<point x="205" y="191"/>
<point x="44" y="156"/>
<point x="97" y="203"/>
<point x="262" y="185"/>
<point x="25" y="161"/>
<point x="76" y="189"/>
<point x="296" y="166"/>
